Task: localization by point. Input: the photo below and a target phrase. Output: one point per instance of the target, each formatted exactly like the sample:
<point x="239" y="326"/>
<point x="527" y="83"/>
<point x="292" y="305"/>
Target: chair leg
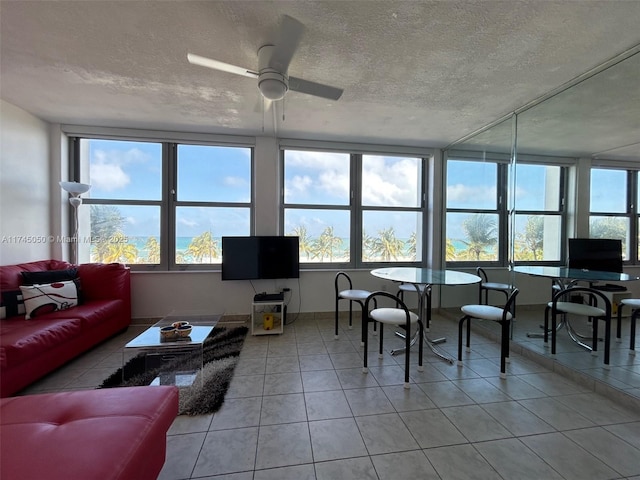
<point x="594" y="340"/>
<point x="619" y="324"/>
<point x="420" y="347"/>
<point x="460" y="327"/>
<point x="381" y="340"/>
<point x="607" y="341"/>
<point x="632" y="342"/>
<point x="553" y="332"/>
<point x="469" y="334"/>
<point x="350" y="314"/>
<point x="546" y="326"/>
<point x="336" y="327"/>
<point x="407" y="353"/>
<point x="504" y="348"/>
<point x="365" y="344"/>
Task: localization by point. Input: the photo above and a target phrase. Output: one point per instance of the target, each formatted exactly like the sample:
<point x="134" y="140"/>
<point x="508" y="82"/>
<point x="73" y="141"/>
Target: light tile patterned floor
<point x="299" y="407"/>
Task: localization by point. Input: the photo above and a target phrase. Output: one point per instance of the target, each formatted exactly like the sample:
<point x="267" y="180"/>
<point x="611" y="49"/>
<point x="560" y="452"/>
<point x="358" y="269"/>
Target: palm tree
<point x="204" y="245"/>
<point x="481" y="233"/>
<point x="326" y="244"/>
<point x="368" y="244"/>
<point x="120" y="250"/>
<point x="450" y="250"/>
<point x="153" y="248"/>
<point x="412" y="246"/>
<point x="532" y="239"/>
<point x="305" y="242"/>
<point x="106" y="222"/>
<point x="387" y="246"/>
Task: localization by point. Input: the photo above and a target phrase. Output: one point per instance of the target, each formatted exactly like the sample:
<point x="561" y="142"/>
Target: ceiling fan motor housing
<point x="272" y="84"/>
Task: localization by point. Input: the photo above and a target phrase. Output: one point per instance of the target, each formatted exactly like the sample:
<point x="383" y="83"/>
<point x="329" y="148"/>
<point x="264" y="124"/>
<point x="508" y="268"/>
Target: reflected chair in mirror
<point x="503" y="316"/>
<point x="634" y="304"/>
<point x="562" y="304"/>
<point x="399" y="316"/>
<point x="352" y="295"/>
<point x="485" y="286"/>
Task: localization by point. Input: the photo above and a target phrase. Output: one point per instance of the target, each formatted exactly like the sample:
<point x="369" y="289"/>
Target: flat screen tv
<point x="601" y="254"/>
<point x="260" y="257"/>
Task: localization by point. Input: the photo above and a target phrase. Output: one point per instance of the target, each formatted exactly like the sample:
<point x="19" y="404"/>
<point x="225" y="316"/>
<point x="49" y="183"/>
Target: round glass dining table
<point x="426" y="277"/>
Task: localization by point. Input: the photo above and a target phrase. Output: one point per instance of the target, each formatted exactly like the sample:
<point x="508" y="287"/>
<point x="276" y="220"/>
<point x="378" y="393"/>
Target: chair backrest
<point x="375" y="296"/>
<point x="345" y="277"/>
<point x="482" y="274"/>
<point x="511" y="300"/>
<point x="592" y="292"/>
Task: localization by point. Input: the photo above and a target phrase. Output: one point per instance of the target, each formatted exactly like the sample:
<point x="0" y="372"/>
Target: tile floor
<point x="299" y="407"/>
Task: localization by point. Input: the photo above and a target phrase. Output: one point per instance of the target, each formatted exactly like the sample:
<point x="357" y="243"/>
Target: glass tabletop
<point x="427" y="276"/>
<point x="202" y="325"/>
<point x="575" y="274"/>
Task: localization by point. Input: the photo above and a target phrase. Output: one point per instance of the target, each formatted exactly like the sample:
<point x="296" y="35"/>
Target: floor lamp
<point x="75" y="189"/>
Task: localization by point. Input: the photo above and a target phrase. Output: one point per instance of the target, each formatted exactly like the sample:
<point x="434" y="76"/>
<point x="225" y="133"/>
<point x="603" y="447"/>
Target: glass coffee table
<point x="177" y="360"/>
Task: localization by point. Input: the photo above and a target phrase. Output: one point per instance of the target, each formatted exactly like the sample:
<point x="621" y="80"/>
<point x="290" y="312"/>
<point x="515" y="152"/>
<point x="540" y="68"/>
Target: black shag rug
<point x="206" y="395"/>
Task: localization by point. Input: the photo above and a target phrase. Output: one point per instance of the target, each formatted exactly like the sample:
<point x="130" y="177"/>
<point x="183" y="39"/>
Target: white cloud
<point x="464" y="196"/>
<point x="187" y="222"/>
<point x="108" y="177"/>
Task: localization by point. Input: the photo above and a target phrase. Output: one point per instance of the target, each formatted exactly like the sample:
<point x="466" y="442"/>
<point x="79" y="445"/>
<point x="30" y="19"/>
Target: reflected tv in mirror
<point x="260" y="257"/>
<point x="600" y="254"/>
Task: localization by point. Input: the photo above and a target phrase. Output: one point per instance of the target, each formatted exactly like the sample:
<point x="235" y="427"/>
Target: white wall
<point x="25" y="195"/>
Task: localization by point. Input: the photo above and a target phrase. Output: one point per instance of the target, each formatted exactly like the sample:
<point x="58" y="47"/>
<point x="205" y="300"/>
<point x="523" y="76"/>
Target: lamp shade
<point x="75" y="188"/>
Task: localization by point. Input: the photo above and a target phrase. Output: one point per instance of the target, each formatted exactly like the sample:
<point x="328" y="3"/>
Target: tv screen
<point x="601" y="254"/>
<point x="254" y="258"/>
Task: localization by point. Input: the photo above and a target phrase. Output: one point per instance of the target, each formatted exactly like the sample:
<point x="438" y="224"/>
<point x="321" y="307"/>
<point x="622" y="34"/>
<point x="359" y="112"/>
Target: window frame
<point x="503" y="192"/>
<point x="169" y="197"/>
<point x="632" y="211"/>
<point x="355" y="206"/>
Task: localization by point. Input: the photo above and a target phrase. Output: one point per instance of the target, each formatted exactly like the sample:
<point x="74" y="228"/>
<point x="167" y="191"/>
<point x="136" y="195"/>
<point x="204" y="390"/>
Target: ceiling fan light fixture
<point x="273" y="85"/>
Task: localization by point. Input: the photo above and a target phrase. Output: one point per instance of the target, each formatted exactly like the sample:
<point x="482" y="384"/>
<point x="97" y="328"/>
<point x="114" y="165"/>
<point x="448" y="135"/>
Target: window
<point x="612" y="210"/>
<point x="473" y="215"/>
<point x="354" y="209"/>
<point x="477" y="218"/>
<point x="539" y="223"/>
<point x="161" y="204"/>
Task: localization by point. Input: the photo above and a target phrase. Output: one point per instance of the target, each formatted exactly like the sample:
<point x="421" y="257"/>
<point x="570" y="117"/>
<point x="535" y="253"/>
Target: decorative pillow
<point x="11" y="303"/>
<point x="47" y="298"/>
<point x="48" y="276"/>
<point x="52" y="276"/>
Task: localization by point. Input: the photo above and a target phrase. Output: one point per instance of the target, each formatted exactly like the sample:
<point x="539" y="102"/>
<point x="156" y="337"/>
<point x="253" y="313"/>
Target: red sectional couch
<point x="29" y="349"/>
<point x="109" y="434"/>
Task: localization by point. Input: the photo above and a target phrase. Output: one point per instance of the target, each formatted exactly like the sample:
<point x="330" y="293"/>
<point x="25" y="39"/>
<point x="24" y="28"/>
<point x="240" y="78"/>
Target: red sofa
<point x="106" y="434"/>
<point x="29" y="349"/>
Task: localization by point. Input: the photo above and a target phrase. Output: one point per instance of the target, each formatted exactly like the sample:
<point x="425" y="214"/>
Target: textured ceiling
<point x="422" y="73"/>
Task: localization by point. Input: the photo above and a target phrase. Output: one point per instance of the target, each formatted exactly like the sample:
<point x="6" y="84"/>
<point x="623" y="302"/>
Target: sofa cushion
<point x="47" y="298"/>
<point x="94" y="312"/>
<point x="21" y="340"/>
<point x="109" y="434"/>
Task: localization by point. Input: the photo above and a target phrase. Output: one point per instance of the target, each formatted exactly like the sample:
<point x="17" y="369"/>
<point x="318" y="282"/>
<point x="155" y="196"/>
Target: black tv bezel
<point x="606" y="257"/>
<point x="254" y="252"/>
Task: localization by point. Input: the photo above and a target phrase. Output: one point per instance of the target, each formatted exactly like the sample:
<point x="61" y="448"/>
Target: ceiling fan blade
<point x="216" y="65"/>
<point x="315" y="89"/>
<point x="289" y="36"/>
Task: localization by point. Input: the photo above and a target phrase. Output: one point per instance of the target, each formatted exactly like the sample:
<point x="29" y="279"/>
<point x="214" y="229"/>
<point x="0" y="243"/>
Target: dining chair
<point x="634" y="303"/>
<point x="398" y="316"/>
<point x="560" y="304"/>
<point x="503" y="316"/>
<point x="485" y="286"/>
<point x="342" y="280"/>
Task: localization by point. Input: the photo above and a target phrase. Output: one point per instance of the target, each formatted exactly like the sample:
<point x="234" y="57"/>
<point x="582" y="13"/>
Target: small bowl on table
<point x="183" y="331"/>
<point x="179" y="324"/>
<point x="168" y="333"/>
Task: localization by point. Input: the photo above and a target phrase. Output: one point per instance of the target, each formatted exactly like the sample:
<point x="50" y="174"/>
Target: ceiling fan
<point x="273" y="65"/>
